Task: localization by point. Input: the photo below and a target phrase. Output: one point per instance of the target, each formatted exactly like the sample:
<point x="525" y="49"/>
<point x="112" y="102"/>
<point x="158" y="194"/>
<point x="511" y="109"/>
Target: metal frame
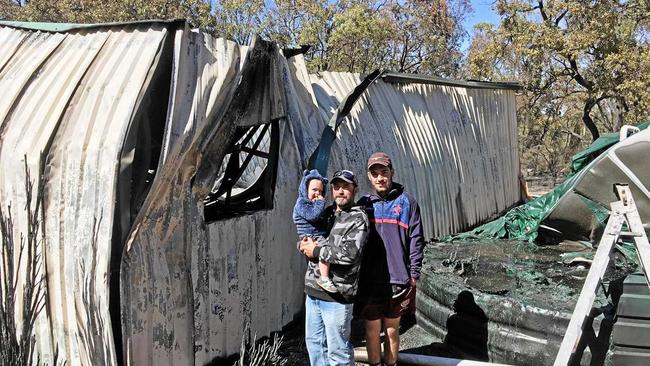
<point x="397" y="77"/>
<point x="258" y="196"/>
<point x="623" y="212"/>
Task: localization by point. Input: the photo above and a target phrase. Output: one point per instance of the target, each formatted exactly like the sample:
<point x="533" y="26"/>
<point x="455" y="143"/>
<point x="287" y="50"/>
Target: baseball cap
<point x="344" y="175"/>
<point x="380" y="158"/>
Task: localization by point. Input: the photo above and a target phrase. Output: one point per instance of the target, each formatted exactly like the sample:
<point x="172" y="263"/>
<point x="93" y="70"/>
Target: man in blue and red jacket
<point x="392" y="260"/>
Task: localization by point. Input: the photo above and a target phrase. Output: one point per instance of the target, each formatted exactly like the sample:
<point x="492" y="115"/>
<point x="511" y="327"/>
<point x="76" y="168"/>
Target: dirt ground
<point x="538" y="186"/>
<point x="294" y="352"/>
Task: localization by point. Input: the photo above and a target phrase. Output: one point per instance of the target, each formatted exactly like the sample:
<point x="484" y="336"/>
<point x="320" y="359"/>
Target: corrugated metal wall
<point x="71" y="97"/>
<point x="453" y="147"/>
<point x="157" y="273"/>
<point x="190" y="288"/>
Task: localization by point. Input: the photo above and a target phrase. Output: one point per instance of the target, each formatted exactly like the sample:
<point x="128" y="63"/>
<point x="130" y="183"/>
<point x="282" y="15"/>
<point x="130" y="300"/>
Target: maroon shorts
<point x="373" y="309"/>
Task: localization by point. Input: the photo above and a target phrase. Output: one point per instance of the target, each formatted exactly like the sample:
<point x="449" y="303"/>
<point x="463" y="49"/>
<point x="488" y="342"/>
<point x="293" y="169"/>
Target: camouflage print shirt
<point x="343" y="249"/>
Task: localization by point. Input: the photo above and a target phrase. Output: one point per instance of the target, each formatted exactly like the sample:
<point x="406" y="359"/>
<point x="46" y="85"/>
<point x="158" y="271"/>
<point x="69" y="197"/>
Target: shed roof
<point x="66" y="27"/>
<point x="399" y="77"/>
<point x="388" y="76"/>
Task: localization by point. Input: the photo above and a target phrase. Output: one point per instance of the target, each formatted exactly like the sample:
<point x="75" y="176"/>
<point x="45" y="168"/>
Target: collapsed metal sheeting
<point x="622" y="163"/>
<point x="453" y="146"/>
<point x="189" y="288"/>
<point x="189" y="285"/>
<point x="70" y="97"/>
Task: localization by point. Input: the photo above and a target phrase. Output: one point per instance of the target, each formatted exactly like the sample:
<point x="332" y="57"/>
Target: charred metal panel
<point x="199" y="63"/>
<point x="397" y="77"/>
<point x="70" y="98"/>
<point x="454" y="148"/>
<point x="320" y="159"/>
<point x="81" y="177"/>
<point x="156" y="280"/>
<point x="188" y="288"/>
<point x="255" y="272"/>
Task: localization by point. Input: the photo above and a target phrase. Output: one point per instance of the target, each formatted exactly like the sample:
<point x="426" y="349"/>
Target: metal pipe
<point x="361" y="355"/>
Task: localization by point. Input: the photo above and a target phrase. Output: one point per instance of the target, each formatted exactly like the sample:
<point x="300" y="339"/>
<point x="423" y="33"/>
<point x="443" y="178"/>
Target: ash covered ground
<point x="293" y="349"/>
<point x="549" y="277"/>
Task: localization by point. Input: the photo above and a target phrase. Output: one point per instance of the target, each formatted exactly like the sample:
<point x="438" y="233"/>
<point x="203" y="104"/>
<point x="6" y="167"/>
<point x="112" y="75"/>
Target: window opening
<point x="246" y="179"/>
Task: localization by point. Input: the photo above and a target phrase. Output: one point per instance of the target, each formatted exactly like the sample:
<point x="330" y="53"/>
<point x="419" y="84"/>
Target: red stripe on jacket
<point x="389" y="221"/>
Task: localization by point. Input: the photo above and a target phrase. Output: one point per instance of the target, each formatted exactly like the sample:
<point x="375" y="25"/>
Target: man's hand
<point x="413" y="281"/>
<point x="307" y="246"/>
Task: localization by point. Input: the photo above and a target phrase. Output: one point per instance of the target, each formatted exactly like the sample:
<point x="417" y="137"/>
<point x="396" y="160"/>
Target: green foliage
<point x="96" y="11"/>
<point x="346" y="35"/>
<point x="7" y="9"/>
<point x="581" y="64"/>
<point x="239" y="20"/>
<point x="405" y="36"/>
<point x="357" y="43"/>
<point x="428" y="36"/>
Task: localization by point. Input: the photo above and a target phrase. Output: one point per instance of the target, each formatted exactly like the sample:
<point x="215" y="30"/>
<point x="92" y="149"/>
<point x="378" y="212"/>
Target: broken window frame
<point x="222" y="203"/>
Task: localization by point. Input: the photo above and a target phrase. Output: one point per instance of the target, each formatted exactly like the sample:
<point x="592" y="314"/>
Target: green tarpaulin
<point x="522" y="222"/>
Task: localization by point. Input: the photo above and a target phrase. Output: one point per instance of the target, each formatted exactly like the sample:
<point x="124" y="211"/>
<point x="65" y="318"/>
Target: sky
<point x="482" y="13"/>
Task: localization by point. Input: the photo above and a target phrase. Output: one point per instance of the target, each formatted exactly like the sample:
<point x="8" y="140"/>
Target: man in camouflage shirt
<point x="329" y="315"/>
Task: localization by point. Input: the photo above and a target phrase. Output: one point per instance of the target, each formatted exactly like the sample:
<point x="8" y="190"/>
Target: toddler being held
<point x="308" y="215"/>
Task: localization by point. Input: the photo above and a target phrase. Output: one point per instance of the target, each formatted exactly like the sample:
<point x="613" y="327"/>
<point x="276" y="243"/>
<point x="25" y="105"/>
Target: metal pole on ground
<point x="361" y="355"/>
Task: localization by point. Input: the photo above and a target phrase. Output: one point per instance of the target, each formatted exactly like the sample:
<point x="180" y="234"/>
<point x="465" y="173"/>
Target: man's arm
<point x="345" y="242"/>
<point x="416" y="244"/>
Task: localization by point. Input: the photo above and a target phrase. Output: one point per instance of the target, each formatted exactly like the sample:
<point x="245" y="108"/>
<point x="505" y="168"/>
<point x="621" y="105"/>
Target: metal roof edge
<point x="397" y="77"/>
<point x="66" y="27"/>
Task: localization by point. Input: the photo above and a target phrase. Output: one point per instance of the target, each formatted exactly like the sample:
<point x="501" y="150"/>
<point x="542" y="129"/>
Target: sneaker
<point x="327" y="285"/>
<point x="399" y="291"/>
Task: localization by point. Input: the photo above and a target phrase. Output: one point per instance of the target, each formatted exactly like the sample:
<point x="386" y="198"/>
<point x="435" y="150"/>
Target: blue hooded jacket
<point x="307" y="215"/>
<point x="396" y="244"/>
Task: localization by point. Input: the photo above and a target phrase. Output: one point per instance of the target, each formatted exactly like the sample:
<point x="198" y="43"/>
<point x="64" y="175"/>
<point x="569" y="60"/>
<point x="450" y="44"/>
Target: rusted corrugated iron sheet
<point x="71" y="97"/>
<point x="454" y="147"/>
